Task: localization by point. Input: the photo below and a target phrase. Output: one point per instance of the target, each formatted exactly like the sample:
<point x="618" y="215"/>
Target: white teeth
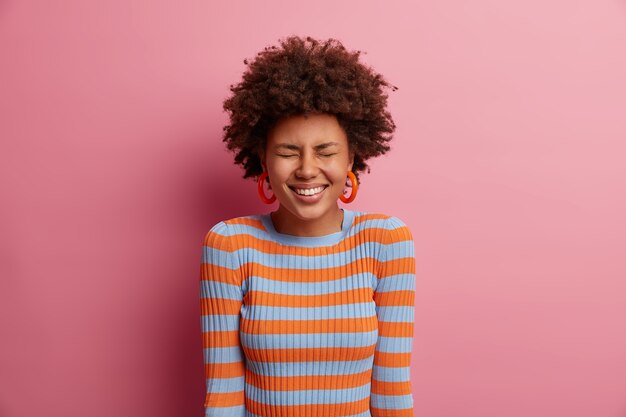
<point x="309" y="191"/>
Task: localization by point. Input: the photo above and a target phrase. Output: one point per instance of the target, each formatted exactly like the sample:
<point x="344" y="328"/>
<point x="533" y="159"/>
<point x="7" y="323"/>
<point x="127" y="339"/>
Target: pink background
<point x="507" y="164"/>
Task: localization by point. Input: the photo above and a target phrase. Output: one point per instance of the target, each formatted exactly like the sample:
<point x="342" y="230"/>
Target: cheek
<point x="278" y="172"/>
<point x="342" y="177"/>
<point x="339" y="172"/>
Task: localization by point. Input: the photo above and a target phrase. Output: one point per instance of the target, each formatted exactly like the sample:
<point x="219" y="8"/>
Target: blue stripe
<point x="397" y="282"/>
<point x="223" y="355"/>
<point x="225" y="385"/>
<point x="348" y="311"/>
<point x="366" y="413"/>
<point x="331" y="260"/>
<point x="299" y="341"/>
<point x="388" y="224"/>
<point x="216" y="289"/>
<point x="391" y="402"/>
<point x="214" y="256"/>
<point x="403" y="249"/>
<point x="394" y="344"/>
<point x="303" y="397"/>
<point x="391" y="223"/>
<point x="358" y="280"/>
<point x="384" y="374"/>
<point x="219" y="322"/>
<point x="236" y="411"/>
<point x="393" y="314"/>
<point x="310" y="368"/>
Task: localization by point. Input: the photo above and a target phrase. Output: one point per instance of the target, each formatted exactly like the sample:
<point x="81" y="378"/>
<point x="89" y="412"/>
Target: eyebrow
<point x="294" y="147"/>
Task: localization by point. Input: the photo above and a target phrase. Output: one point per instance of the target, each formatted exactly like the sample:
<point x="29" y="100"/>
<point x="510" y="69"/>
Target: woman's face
<point x="308" y="152"/>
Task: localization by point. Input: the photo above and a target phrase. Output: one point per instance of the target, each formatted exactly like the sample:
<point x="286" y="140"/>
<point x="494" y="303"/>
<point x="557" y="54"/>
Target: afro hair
<point x="305" y="76"/>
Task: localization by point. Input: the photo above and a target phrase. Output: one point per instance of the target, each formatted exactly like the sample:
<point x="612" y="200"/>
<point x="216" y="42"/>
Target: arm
<point x="220" y="304"/>
<point x="394" y="297"/>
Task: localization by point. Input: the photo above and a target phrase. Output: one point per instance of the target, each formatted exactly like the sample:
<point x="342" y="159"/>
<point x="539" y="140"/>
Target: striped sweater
<point x="316" y="326"/>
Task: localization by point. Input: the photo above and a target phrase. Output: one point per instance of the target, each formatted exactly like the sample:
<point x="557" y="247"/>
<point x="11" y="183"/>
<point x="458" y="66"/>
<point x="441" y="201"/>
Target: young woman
<point x="307" y="311"/>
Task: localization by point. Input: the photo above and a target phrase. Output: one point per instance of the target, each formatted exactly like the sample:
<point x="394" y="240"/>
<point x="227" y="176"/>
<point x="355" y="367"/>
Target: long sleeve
<point x="394" y="297"/>
<point x="220" y="303"/>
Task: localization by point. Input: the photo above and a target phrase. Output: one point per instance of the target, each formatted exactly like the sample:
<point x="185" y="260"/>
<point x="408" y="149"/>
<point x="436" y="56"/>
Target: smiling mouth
<point x="308" y="193"/>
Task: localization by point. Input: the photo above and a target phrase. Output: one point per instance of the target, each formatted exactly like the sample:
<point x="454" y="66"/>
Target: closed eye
<point x="322" y="154"/>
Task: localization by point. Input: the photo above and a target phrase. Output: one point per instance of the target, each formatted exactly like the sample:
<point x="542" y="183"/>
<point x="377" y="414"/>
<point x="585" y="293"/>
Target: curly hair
<point x="304" y="76"/>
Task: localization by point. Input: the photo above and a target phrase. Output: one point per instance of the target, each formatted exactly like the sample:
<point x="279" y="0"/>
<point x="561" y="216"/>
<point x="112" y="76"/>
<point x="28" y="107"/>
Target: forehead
<point x="307" y="130"/>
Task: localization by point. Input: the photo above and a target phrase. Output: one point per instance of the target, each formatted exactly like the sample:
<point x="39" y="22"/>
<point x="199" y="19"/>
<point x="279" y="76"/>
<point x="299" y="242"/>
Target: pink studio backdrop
<point x="507" y="164"/>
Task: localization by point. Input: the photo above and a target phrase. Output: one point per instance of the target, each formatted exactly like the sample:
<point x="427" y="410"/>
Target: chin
<point x="310" y="212"/>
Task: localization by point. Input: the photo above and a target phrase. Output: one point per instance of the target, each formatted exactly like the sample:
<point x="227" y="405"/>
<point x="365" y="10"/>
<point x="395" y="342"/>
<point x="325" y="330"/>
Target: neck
<point x="286" y="223"/>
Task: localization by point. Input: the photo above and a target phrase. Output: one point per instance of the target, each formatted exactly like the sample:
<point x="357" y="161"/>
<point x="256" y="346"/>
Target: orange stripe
<point x="397" y="266"/>
<point x="219" y="306"/>
<point x="399" y="234"/>
<point x="262" y="298"/>
<point x="360" y="324"/>
<point x="371" y="234"/>
<point x="390" y="388"/>
<point x="307" y="382"/>
<point x="395" y="298"/>
<point x="363" y="265"/>
<point x="395" y="329"/>
<point x="381" y="412"/>
<point x="247" y="221"/>
<point x="392" y="360"/>
<point x="226" y="338"/>
<point x="224" y="399"/>
<point x="224" y="370"/>
<point x="310" y="354"/>
<point x="211" y="272"/>
<point x="308" y="410"/>
<point x="311" y="275"/>
<point x="217" y="241"/>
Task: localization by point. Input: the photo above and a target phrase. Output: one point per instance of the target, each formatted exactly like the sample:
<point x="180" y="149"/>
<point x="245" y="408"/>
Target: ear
<point x="351" y="162"/>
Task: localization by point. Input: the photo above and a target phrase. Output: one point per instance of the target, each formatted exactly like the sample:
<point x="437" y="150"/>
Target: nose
<point x="308" y="166"/>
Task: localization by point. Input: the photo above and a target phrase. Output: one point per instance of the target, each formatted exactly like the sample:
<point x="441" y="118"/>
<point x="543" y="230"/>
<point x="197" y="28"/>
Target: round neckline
<point x="324" y="240"/>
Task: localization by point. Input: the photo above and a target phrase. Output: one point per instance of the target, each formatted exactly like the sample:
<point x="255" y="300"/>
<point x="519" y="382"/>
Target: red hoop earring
<point x="355" y="188"/>
<point x="260" y="182"/>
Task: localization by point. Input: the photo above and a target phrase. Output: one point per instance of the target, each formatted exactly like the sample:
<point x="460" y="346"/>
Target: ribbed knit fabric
<point x="308" y="326"/>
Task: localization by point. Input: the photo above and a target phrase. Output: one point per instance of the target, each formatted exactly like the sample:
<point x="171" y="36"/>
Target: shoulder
<point x="398" y="230"/>
<point x="218" y="236"/>
<point x="220" y="233"/>
<point x="387" y="232"/>
<point x="390" y="226"/>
